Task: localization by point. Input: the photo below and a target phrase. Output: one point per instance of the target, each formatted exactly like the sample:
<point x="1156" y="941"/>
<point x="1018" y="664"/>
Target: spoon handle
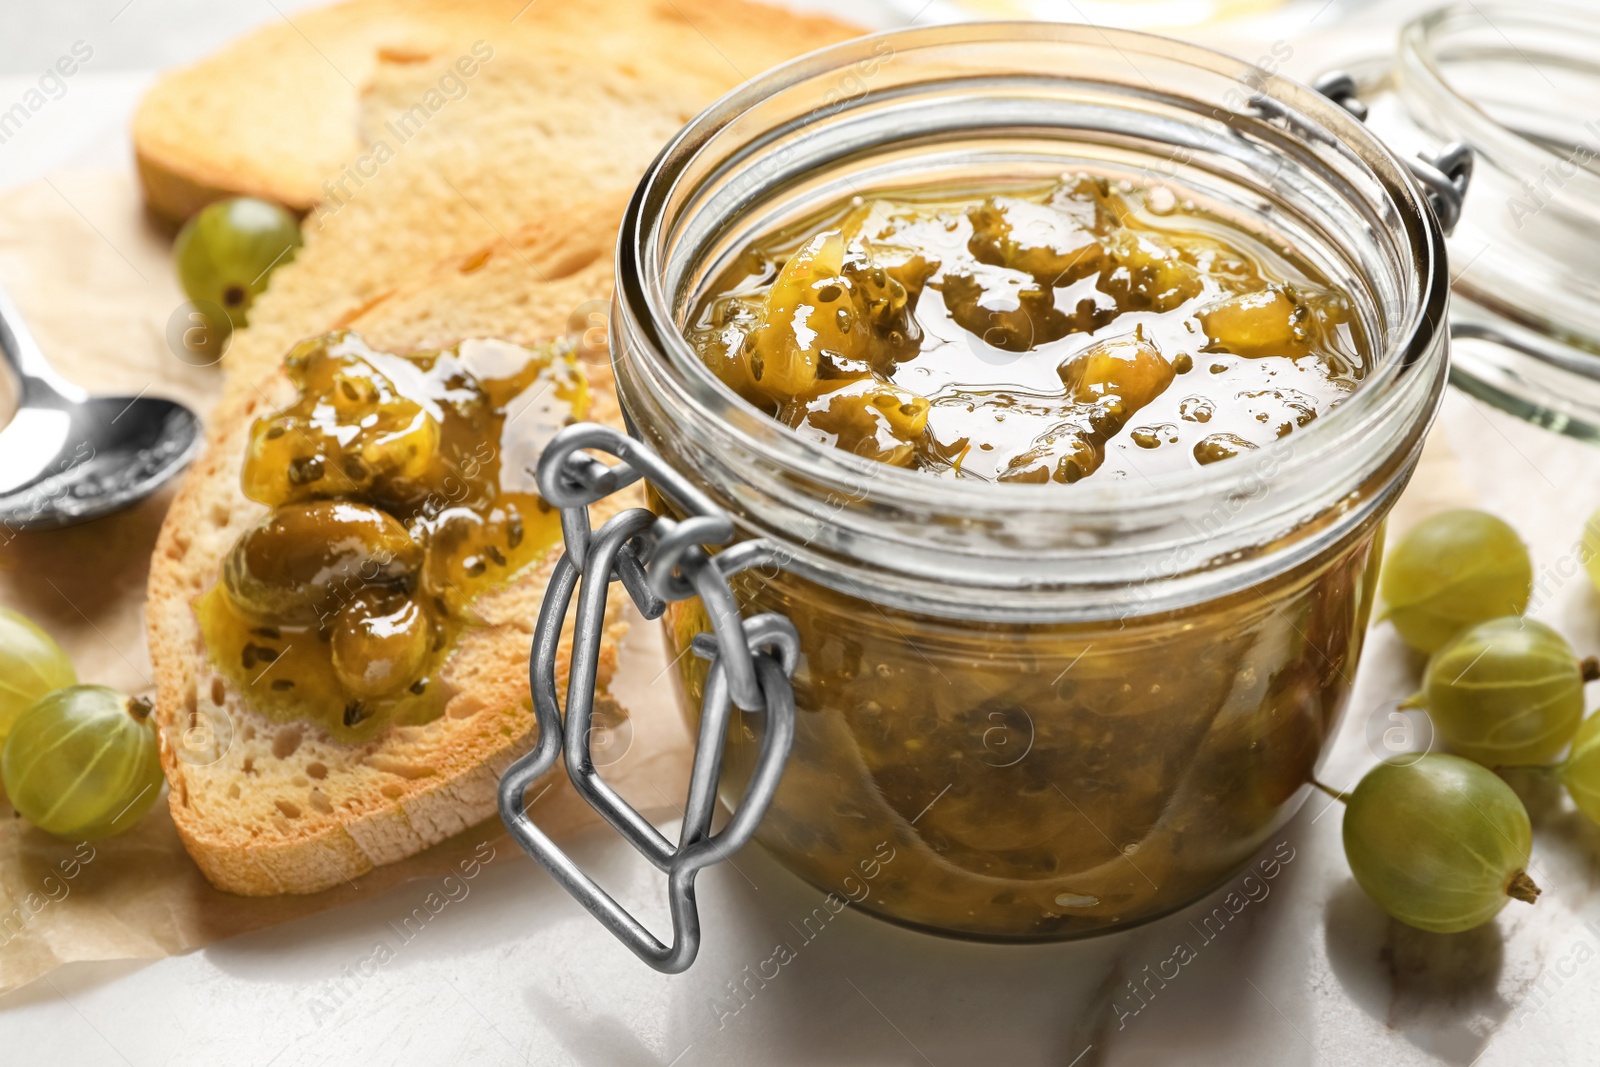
<point x="25" y="359"/>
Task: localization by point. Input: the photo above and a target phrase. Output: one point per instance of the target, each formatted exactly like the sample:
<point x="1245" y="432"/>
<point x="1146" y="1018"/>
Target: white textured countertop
<point x="1304" y="970"/>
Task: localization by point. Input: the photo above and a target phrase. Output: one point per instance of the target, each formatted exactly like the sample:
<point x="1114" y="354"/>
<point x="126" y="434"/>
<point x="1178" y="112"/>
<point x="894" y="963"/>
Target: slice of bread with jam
<point x="463" y="168"/>
<point x="278" y="786"/>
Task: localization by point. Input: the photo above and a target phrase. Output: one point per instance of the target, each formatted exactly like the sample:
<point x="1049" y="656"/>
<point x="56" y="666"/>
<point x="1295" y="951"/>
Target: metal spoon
<point x="67" y="457"/>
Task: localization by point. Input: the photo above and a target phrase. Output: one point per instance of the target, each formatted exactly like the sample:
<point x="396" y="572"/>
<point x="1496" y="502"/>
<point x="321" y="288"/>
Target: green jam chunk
<point x="401" y="488"/>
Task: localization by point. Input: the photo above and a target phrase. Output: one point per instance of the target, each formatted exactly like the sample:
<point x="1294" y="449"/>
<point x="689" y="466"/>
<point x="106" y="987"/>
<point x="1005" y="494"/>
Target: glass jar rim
<point x="1422" y="61"/>
<point x="1410" y="353"/>
<point x="1517" y="83"/>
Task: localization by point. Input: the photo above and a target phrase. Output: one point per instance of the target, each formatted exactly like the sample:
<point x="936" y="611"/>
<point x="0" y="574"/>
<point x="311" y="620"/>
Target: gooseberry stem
<point x="1343" y="798"/>
<point x="1522" y="888"/>
<point x="1590" y="666"/>
<point x="1545" y="769"/>
<point x="140" y="708"/>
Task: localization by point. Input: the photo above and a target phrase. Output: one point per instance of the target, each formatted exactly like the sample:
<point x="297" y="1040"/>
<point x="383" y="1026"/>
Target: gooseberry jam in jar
<point x="1030" y="335"/>
<point x="1072" y="406"/>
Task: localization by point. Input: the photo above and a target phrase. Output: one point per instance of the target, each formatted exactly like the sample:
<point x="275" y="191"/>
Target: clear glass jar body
<point x="1046" y="781"/>
<point x="1034" y="712"/>
<point x="1518" y="83"/>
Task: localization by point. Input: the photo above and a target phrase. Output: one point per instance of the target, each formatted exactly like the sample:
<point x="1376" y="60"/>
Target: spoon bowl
<point x="64" y="465"/>
<point x="66" y="457"/>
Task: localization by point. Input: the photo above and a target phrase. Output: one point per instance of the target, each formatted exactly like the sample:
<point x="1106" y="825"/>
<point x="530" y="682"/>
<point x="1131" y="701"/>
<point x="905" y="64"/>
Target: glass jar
<point x="1036" y="712"/>
<point x="1520" y="83"/>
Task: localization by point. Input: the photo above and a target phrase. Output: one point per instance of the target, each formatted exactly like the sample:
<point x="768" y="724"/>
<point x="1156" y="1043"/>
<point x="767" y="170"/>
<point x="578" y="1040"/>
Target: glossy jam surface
<point x="401" y="487"/>
<point x="1030" y="335"/>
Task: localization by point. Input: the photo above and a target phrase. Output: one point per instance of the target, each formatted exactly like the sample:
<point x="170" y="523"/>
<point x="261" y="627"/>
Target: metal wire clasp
<point x="657" y="560"/>
<point x="1444" y="175"/>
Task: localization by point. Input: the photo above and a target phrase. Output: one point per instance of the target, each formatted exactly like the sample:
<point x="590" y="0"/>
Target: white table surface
<point x="515" y="972"/>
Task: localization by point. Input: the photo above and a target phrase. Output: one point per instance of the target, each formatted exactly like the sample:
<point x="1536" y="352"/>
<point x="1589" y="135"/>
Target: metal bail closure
<point x="657" y="559"/>
<point x="1444" y="175"/>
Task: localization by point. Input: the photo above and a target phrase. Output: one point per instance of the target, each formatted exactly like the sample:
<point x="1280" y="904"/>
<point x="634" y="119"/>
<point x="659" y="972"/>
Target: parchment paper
<point x="95" y="282"/>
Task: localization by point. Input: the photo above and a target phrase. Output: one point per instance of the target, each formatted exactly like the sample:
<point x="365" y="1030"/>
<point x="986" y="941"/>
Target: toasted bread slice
<point x="473" y="224"/>
<point x="279" y="112"/>
<point x="574" y="103"/>
<point x="269" y="807"/>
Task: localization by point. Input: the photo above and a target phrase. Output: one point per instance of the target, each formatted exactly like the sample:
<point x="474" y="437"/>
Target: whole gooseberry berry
<point x="1451" y="571"/>
<point x="83" y="763"/>
<point x="1507" y="691"/>
<point x="1438" y="842"/>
